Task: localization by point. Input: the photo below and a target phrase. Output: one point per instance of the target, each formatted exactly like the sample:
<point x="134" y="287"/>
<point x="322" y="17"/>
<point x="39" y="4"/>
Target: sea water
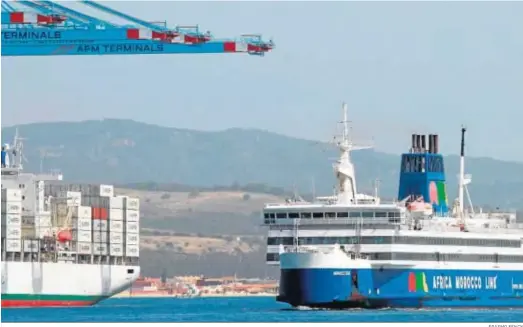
<point x="241" y="309"/>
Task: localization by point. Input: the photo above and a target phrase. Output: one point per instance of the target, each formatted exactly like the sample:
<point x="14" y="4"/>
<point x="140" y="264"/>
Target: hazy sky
<point x="402" y="67"/>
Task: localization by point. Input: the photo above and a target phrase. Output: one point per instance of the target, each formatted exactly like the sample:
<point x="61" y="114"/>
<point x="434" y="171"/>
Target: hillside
<point x="124" y="151"/>
<point x="202" y="192"/>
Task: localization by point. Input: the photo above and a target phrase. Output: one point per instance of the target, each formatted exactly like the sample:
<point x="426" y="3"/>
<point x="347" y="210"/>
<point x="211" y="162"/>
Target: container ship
<point x="352" y="250"/>
<point x="63" y="244"/>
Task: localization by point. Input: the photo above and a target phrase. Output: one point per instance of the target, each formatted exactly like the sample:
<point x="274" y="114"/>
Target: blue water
<point x="241" y="309"/>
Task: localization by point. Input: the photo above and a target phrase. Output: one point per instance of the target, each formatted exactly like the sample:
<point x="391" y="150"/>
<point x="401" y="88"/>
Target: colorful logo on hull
<point x="418" y="282"/>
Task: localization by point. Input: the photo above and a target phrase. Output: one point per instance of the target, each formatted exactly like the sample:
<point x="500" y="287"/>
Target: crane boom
<point x="57" y="30"/>
<point x="73" y="13"/>
<point x="124" y="16"/>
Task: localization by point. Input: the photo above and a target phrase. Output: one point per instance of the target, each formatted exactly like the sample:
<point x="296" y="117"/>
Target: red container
<point x="103" y="213"/>
<point x="95" y="213"/>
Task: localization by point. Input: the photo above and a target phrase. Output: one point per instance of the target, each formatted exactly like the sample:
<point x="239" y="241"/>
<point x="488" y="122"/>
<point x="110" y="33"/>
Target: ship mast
<point x="344" y="168"/>
<point x="461" y="212"/>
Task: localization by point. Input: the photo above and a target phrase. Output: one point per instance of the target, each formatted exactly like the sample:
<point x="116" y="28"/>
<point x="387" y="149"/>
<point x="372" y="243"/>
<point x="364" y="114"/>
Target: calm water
<point x="244" y="309"/>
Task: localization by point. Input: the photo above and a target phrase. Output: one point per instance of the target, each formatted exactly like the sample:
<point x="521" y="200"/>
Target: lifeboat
<point x="64" y="236"/>
<point x="420" y="209"/>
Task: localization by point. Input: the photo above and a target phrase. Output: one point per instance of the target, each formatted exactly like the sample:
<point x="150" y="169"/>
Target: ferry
<point x="352" y="250"/>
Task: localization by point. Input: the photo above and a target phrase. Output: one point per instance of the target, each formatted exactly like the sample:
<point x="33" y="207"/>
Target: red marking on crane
<point x="229" y="46"/>
<point x="133" y="33"/>
<point x="17" y="17"/>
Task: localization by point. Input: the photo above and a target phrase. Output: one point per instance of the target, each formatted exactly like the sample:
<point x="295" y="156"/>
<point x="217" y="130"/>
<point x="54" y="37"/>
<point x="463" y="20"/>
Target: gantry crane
<point x="46" y="28"/>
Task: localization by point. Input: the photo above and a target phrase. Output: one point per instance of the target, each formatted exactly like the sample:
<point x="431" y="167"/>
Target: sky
<point x="402" y="67"/>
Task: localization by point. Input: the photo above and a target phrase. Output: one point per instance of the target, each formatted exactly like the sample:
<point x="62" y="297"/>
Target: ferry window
<point x="343" y="214"/>
<point x="266" y="215"/>
<point x="281" y="215"/>
<point x="330" y="214"/>
<point x="355" y="214"/>
<point x="368" y="214"/>
<point x="273" y="257"/>
<point x="272" y="215"/>
<point x="305" y="214"/>
<point x="381" y="214"/>
<point x="294" y="215"/>
<point x="391" y="214"/>
<point x="317" y="215"/>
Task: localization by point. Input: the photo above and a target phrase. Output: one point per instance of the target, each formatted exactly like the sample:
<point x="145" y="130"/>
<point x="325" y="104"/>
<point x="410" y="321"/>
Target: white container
<point x="115" y="238"/>
<point x="116" y="226"/>
<point x="100" y="225"/>
<point x="116" y="202"/>
<point x="10" y="219"/>
<point x="103" y="190"/>
<point x="132" y="227"/>
<point x="132" y="250"/>
<point x="81" y="236"/>
<point x="116" y="250"/>
<point x="31" y="245"/>
<point x="100" y="249"/>
<point x="12" y="207"/>
<point x="43" y="221"/>
<point x="84" y="247"/>
<point x="11" y="195"/>
<point x="115" y="214"/>
<point x="132" y="203"/>
<point x="100" y="237"/>
<point x="82" y="224"/>
<point x="132" y="239"/>
<point x="132" y="215"/>
<point x="12" y="232"/>
<point x="82" y="212"/>
<point x="13" y="245"/>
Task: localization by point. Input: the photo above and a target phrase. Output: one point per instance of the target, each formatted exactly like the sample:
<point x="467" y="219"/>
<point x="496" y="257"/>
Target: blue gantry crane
<point x="46" y="28"/>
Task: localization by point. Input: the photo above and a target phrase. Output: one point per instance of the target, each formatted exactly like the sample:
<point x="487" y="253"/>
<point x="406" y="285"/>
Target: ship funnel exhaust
<point x="418" y="143"/>
<point x="423" y="144"/>
<point x="431" y="143"/>
<point x="413" y="143"/>
<point x="436" y="143"/>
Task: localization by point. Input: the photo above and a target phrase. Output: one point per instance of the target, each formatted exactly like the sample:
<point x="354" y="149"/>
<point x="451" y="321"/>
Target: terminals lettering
<point x="120" y="48"/>
<point x="28" y="35"/>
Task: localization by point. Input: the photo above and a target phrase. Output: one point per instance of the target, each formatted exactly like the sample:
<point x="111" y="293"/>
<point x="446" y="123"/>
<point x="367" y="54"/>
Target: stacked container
<point x="82" y="229"/>
<point x="132" y="226"/>
<point x="116" y="226"/>
<point x="12" y="219"/>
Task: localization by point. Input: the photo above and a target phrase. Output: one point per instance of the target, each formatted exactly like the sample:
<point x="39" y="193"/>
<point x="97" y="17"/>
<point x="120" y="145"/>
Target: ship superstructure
<point x="63" y="244"/>
<point x="352" y="250"/>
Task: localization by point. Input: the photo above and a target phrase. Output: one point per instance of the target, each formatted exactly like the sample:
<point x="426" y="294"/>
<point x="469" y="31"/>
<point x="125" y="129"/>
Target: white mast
<point x="343" y="168"/>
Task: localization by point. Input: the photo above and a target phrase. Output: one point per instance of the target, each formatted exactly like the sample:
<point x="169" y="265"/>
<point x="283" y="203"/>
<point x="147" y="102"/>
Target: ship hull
<point x="37" y="284"/>
<point x="401" y="288"/>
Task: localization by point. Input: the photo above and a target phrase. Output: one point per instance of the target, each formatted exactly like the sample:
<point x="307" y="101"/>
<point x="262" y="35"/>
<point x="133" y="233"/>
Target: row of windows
<point x="455" y="257"/>
<point x="396" y="240"/>
<point x="342" y="214"/>
<point x="417" y="164"/>
<point x="345" y="226"/>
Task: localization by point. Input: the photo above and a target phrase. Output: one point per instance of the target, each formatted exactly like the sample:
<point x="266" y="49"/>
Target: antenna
<point x="462" y="176"/>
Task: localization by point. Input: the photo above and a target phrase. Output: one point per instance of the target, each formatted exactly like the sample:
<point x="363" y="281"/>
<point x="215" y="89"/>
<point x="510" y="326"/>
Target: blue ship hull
<point x="401" y="288"/>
